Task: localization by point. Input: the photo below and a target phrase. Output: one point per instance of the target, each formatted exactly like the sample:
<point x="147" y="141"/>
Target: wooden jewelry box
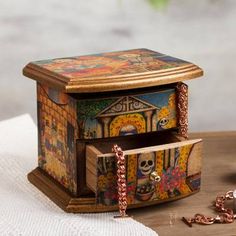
<point x="133" y="98"/>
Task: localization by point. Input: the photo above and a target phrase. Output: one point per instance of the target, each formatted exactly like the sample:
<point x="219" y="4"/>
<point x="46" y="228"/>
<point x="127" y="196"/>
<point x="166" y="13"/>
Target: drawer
<point x="176" y="161"/>
<point x="128" y="113"/>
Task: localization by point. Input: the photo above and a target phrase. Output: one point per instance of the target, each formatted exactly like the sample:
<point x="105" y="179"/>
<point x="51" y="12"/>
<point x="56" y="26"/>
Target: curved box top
<point x="122" y="70"/>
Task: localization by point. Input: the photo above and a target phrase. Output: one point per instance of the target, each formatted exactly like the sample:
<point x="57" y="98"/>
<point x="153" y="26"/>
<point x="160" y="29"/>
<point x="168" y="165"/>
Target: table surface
<point x="218" y="177"/>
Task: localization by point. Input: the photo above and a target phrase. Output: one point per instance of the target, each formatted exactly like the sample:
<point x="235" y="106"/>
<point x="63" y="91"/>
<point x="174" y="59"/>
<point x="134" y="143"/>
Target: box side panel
<point x="57" y="130"/>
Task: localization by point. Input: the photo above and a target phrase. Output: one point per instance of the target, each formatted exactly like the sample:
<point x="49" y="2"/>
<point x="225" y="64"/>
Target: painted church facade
<point x="127" y="115"/>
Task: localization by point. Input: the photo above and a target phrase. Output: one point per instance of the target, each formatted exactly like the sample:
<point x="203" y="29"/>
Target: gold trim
<point x="112" y="83"/>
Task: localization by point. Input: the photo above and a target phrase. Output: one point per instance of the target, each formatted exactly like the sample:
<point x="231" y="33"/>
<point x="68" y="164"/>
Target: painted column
<point x="148" y="115"/>
<point x="154" y="120"/>
<point x="106" y="121"/>
<point x="99" y="129"/>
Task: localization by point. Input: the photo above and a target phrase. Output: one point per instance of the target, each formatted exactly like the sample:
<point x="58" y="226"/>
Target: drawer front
<point x="178" y="165"/>
<point x="127" y="115"/>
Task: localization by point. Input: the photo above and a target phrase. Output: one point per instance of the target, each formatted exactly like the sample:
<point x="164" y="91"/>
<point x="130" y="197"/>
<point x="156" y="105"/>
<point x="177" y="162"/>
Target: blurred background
<point x="202" y="32"/>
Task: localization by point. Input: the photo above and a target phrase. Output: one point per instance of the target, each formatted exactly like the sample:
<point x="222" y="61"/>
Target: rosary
<point x="226" y="215"/>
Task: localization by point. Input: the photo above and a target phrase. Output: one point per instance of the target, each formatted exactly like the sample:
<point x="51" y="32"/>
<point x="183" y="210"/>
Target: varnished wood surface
<point x="218" y="176"/>
<point x="111" y="83"/>
<point x="72" y="204"/>
<point x="148" y="72"/>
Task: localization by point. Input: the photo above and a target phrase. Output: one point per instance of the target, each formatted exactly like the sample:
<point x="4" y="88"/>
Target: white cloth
<point x="24" y="210"/>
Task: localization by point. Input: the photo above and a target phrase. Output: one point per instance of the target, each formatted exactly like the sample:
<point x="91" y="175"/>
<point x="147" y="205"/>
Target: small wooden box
<point x="133" y="98"/>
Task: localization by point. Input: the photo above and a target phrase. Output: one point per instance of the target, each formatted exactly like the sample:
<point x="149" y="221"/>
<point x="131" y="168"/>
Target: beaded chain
<point x="182" y="94"/>
<point x="226" y="215"/>
<point x="121" y="180"/>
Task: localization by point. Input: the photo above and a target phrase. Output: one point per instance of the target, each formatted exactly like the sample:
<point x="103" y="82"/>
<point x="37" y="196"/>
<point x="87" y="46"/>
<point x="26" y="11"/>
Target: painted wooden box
<point x="133" y="98"/>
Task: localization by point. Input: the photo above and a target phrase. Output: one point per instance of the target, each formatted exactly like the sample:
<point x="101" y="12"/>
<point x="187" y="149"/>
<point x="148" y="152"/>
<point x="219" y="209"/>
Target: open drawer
<point x="176" y="163"/>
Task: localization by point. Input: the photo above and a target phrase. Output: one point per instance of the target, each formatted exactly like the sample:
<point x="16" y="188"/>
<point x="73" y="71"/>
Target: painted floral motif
<point x="171" y="180"/>
<point x="107" y="185"/>
<point x="167" y="114"/>
<point x="127" y="124"/>
<point x="131" y="177"/>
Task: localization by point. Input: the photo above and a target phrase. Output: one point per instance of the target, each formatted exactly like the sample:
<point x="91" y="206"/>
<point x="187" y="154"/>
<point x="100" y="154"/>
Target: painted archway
<point x="127" y="124"/>
<point x="128" y="130"/>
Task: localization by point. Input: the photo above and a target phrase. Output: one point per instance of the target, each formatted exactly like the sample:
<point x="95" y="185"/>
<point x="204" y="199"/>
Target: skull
<point x="163" y="122"/>
<point x="146" y="163"/>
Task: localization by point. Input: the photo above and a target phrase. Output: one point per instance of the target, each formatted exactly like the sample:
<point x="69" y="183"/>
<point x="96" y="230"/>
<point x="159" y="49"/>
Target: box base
<point x="72" y="204"/>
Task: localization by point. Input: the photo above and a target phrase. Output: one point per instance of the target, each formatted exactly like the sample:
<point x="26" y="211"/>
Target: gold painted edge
<point x="112" y="83"/>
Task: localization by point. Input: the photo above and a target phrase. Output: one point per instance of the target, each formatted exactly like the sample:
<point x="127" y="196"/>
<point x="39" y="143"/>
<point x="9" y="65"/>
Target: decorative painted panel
<point x="179" y="169"/>
<point x="111" y="64"/>
<point x="57" y="131"/>
<point x="127" y="115"/>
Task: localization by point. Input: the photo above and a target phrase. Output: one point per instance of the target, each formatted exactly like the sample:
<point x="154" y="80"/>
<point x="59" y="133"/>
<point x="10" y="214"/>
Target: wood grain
<point x="91" y="167"/>
<point x="218" y="176"/>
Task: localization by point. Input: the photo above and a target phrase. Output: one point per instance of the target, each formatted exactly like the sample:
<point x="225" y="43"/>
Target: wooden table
<point x="218" y="176"/>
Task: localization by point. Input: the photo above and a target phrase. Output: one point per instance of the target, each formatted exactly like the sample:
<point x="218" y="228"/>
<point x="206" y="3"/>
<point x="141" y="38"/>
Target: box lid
<point x="111" y="71"/>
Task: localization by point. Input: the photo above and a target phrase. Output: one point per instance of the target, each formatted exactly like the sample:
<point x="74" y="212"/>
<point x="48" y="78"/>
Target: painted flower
<point x="111" y="194"/>
<point x="172" y="179"/>
<point x="130" y="187"/>
<point x="102" y="182"/>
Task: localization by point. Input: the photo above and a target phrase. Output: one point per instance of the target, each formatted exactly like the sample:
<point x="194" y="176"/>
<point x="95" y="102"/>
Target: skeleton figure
<point x="145" y="188"/>
<point x="146" y="163"/>
<point x="162" y="123"/>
